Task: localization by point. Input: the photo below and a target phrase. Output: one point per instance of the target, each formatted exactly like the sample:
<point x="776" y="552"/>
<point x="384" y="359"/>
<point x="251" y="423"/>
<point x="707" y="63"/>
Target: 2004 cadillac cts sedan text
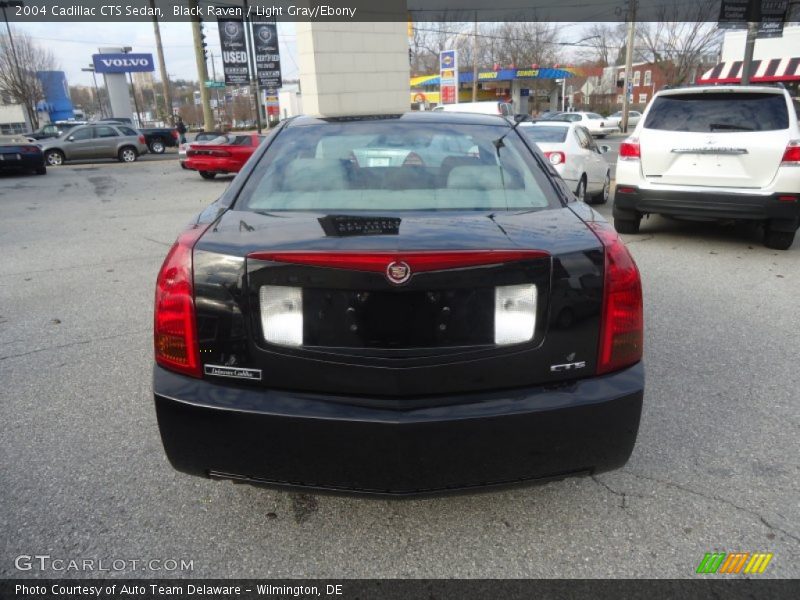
<point x="398" y="305"/>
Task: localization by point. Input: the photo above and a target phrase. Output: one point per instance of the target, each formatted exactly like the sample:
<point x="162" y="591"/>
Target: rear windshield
<point x="545" y="134"/>
<point x="719" y="112"/>
<point x="391" y="165"/>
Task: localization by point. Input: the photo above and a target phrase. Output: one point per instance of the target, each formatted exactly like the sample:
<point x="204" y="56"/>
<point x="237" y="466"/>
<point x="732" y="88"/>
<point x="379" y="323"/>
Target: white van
<point x="487" y="108"/>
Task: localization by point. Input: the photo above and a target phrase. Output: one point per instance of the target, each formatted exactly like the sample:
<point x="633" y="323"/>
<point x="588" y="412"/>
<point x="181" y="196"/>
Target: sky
<point x="74" y="43"/>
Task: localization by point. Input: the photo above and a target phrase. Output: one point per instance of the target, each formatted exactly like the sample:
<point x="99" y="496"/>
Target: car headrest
<point x="476" y="178"/>
<point x="315" y="174"/>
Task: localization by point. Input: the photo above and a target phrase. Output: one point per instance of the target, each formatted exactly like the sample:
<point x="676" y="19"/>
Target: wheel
<point x="602" y="197"/>
<point x="157" y="146"/>
<point x="207" y="174"/>
<point x="580" y="192"/>
<point x="778" y="240"/>
<point x="54" y="158"/>
<point x="41" y="170"/>
<point x="627" y="225"/>
<point x="127" y="154"/>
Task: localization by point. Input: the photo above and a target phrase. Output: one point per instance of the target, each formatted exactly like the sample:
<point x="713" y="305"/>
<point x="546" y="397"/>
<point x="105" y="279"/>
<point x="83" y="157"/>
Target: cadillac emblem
<point x="398" y="272"/>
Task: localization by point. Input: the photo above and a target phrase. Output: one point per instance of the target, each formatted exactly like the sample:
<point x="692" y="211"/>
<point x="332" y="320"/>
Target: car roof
<point x="563" y="124"/>
<point x="732" y="88"/>
<point x="409" y="117"/>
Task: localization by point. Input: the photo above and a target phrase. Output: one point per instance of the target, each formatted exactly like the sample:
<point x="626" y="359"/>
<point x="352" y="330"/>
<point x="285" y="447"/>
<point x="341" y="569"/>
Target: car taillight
<point x="175" y="134"/>
<point x="413" y="160"/>
<point x="556" y="158"/>
<point x="418" y="261"/>
<point x="30" y="149"/>
<point x="622" y="323"/>
<point x="630" y="150"/>
<point x="141" y="139"/>
<point x="791" y="156"/>
<point x="174" y="330"/>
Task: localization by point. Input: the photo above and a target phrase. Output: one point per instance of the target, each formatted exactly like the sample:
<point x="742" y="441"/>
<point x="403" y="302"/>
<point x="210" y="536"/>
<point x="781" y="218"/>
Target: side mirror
<point x="604" y="149"/>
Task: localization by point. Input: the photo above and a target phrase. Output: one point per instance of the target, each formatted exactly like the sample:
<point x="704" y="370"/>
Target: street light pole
<point x="96" y="90"/>
<point x="628" y="65"/>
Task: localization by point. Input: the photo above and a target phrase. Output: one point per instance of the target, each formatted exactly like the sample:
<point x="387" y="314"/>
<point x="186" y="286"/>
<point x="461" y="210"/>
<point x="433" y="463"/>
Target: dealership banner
<point x="122" y="63"/>
<point x="268" y="58"/>
<point x="234" y="52"/>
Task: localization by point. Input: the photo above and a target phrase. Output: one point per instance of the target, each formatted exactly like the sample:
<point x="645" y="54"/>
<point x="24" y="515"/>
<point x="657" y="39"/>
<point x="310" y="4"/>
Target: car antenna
<point x="498" y="143"/>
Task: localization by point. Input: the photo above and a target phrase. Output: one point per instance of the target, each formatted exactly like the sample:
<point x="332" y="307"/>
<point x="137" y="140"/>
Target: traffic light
<point x="203" y="42"/>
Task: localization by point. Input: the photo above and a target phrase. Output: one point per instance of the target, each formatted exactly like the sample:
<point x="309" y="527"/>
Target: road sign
<point x="215" y="84"/>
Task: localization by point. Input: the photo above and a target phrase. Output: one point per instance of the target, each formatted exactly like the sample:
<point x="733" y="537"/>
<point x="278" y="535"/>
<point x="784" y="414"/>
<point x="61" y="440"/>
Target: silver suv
<point x="99" y="140"/>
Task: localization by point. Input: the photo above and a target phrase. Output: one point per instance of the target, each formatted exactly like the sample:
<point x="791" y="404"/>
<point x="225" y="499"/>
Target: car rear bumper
<point x="717" y="205"/>
<point x="283" y="438"/>
<point x="212" y="166"/>
<point x="24" y="163"/>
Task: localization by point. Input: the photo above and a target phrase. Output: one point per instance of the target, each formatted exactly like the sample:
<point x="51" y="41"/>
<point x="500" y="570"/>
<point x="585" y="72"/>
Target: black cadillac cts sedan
<point x="399" y="304"/>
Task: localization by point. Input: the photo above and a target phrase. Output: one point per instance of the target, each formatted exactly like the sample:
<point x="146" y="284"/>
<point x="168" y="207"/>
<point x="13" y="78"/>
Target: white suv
<point x="725" y="152"/>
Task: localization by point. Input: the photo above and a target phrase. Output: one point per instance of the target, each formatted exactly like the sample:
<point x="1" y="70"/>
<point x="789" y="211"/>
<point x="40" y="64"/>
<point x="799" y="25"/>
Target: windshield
<point x="545" y="134"/>
<point x="718" y="112"/>
<point x="392" y="165"/>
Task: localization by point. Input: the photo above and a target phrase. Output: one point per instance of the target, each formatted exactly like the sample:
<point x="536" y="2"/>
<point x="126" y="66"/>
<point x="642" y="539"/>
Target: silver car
<point x="96" y="140"/>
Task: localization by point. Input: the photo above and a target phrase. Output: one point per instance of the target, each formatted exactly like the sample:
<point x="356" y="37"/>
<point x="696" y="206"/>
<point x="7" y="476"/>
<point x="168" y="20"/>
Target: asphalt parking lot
<point x="83" y="474"/>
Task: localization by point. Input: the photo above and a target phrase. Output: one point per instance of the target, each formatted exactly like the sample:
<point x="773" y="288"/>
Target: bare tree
<point x="18" y="67"/>
<point x="680" y="47"/>
<point x="606" y="43"/>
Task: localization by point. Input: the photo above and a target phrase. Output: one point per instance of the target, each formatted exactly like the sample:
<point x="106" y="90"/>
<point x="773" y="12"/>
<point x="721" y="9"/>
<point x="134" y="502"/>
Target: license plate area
<point x="398" y="319"/>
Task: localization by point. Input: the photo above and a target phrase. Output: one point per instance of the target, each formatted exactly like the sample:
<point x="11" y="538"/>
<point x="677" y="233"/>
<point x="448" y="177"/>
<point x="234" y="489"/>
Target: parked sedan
<point x="99" y="140"/>
<point x="18" y="154"/>
<point x="397" y="329"/>
<point x="597" y="125"/>
<point x="222" y="156"/>
<point x="575" y="156"/>
<point x="633" y="118"/>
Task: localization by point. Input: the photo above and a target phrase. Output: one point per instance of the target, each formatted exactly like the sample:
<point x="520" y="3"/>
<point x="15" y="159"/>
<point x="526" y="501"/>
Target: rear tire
<point x="157" y="146"/>
<point x="207" y="174"/>
<point x="627" y="225"/>
<point x="602" y="197"/>
<point x="127" y="154"/>
<point x="778" y="240"/>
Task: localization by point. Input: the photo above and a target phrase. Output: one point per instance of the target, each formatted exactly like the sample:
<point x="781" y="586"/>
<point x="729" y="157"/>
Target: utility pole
<point x="11" y="4"/>
<point x="475" y="59"/>
<point x="253" y="75"/>
<point x="628" y="64"/>
<point x="202" y="69"/>
<point x="753" y="20"/>
<point x="162" y="67"/>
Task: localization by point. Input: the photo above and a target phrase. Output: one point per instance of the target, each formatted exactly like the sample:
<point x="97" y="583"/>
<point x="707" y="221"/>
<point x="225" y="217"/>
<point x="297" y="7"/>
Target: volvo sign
<point x="122" y="63"/>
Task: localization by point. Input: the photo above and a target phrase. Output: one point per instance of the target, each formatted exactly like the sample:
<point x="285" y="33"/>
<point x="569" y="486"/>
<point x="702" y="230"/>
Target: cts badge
<point x="573" y="366"/>
<point x="398" y="272"/>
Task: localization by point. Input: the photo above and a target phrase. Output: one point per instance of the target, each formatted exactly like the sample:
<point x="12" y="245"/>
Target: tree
<point x="18" y="67"/>
<point x="606" y="43"/>
<point x="679" y="47"/>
